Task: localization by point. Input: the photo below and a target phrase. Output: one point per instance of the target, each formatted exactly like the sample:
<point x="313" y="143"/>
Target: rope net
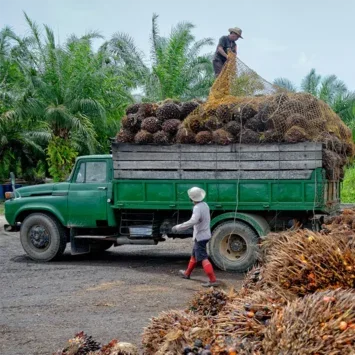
<point x="251" y="110"/>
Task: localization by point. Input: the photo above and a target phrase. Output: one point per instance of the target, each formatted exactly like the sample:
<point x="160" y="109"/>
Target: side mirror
<point x="13" y="180"/>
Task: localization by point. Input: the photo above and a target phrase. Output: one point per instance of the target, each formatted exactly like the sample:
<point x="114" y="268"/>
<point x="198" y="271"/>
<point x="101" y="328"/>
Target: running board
<point x="121" y="240"/>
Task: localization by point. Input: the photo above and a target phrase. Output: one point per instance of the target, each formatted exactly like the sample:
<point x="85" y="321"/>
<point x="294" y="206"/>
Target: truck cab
<point x="82" y="200"/>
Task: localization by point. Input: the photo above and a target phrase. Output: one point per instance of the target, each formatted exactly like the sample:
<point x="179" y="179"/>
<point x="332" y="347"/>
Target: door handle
<point x="102" y="188"/>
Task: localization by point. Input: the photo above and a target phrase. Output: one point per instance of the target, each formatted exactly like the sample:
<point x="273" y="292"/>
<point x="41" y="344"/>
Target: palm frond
<point x="50" y="37"/>
<point x="92" y="35"/>
<point x="285" y="84"/>
<point x="310" y="83"/>
<point x="154" y="39"/>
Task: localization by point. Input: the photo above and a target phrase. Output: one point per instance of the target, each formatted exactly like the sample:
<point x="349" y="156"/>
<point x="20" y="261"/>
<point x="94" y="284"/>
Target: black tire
<point x="238" y="236"/>
<point x="100" y="246"/>
<point x="50" y="246"/>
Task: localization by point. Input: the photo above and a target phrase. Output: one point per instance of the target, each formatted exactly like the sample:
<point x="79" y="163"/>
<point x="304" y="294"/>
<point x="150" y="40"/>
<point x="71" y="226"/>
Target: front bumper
<point x="15" y="228"/>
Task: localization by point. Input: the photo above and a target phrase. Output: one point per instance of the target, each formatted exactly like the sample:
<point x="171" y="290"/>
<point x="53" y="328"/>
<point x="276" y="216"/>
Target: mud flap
<point x="78" y="246"/>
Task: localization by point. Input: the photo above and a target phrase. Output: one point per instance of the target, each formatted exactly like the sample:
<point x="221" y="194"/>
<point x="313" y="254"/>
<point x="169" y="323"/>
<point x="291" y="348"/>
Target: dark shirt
<point x="226" y="43"/>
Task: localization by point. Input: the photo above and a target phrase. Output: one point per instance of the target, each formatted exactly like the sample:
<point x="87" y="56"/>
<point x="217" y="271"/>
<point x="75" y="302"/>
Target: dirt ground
<point x="109" y="296"/>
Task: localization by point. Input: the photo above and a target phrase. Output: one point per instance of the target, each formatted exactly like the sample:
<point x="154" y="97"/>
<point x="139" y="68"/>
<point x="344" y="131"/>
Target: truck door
<point x="87" y="199"/>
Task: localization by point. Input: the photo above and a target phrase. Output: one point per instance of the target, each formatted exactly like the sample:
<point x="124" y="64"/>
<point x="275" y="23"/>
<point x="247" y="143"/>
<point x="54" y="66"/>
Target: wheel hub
<point x="39" y="237"/>
<point x="233" y="247"/>
<point x="236" y="245"/>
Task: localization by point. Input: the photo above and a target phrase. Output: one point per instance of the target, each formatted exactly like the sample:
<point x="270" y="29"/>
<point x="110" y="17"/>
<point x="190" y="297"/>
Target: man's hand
<point x="174" y="229"/>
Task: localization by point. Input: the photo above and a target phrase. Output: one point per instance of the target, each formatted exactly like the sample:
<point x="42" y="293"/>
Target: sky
<point x="282" y="38"/>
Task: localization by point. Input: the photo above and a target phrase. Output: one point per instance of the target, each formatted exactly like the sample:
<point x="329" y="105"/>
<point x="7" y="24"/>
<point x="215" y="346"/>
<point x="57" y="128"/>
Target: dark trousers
<point x="199" y="251"/>
<point x="217" y="66"/>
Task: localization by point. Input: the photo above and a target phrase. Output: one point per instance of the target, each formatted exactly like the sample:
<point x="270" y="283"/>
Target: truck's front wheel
<point x="42" y="237"/>
<point x="233" y="246"/>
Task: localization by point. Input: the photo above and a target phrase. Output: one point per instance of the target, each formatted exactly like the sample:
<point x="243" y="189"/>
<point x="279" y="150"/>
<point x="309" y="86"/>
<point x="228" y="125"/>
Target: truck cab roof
<point x="95" y="156"/>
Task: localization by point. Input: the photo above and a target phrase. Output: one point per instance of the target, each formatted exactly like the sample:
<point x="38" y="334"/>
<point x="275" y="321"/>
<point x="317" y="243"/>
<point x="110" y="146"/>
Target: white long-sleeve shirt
<point x="200" y="220"/>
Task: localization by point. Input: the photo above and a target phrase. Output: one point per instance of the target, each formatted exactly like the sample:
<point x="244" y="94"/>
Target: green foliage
<point x="61" y="157"/>
<point x="247" y="84"/>
<point x="51" y="90"/>
<point x="348" y="187"/>
<point x="177" y="71"/>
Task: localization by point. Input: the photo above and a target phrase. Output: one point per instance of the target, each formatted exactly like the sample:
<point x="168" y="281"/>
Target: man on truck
<point x="225" y="44"/>
<point x="200" y="220"/>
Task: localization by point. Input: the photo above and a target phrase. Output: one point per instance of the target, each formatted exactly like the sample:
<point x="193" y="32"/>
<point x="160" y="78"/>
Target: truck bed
<point x="244" y="177"/>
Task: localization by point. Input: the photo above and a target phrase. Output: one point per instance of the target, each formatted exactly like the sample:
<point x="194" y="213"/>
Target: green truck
<point x="137" y="194"/>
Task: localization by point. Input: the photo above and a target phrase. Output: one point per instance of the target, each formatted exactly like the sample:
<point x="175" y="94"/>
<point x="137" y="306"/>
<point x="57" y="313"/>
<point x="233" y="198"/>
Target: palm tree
<point x="177" y="69"/>
<point x="68" y="87"/>
<point x="330" y="89"/>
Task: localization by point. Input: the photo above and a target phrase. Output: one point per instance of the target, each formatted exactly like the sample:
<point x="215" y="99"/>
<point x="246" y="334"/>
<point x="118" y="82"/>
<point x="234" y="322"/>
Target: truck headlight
<point x="9" y="195"/>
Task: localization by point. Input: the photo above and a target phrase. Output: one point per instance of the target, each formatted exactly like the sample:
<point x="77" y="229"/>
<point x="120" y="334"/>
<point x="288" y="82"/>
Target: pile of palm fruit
<point x="299" y="299"/>
<point x="226" y="119"/>
<point x="344" y="223"/>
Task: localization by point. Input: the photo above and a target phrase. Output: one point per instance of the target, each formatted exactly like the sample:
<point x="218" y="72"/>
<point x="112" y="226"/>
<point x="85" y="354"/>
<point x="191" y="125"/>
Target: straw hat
<point x="196" y="194"/>
<point x="236" y="30"/>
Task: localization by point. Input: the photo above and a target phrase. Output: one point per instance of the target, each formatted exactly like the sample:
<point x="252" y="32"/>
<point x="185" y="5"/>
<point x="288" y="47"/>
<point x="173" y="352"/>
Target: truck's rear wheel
<point x="42" y="237"/>
<point x="233" y="246"/>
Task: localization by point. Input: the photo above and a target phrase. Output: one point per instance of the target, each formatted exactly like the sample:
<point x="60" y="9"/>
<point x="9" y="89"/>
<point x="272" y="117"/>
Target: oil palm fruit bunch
<point x="124" y="136"/>
<point x="161" y="137"/>
<point x="246" y="112"/>
<point x="224" y="113"/>
<point x="222" y="137"/>
<point x="170" y="332"/>
<point x="296" y="134"/>
<point x="293" y="106"/>
<point x="321" y="323"/>
<point x="304" y="262"/>
<point x="233" y="128"/>
<point x="245" y="318"/>
<point x="143" y="137"/>
<point x="194" y="123"/>
<point x="208" y="303"/>
<point x="268" y="109"/>
<point x="343" y="223"/>
<point x="270" y="136"/>
<point x="185" y="136"/>
<point x="147" y="109"/>
<point x="151" y="125"/>
<point x="132" y="108"/>
<point x="204" y="137"/>
<point x="331" y="164"/>
<point x="297" y="119"/>
<point x="249" y="137"/>
<point x="213" y="123"/>
<point x="131" y="122"/>
<point x="253" y="281"/>
<point x="256" y="124"/>
<point x="171" y="126"/>
<point x="330" y="142"/>
<point x="168" y="111"/>
<point x="187" y="107"/>
<point x="280" y="99"/>
<point x="115" y="347"/>
<point x="81" y="344"/>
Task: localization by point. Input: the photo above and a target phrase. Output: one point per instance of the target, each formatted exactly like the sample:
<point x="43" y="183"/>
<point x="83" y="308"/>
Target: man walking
<point x="225" y="44"/>
<point x="200" y="220"/>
